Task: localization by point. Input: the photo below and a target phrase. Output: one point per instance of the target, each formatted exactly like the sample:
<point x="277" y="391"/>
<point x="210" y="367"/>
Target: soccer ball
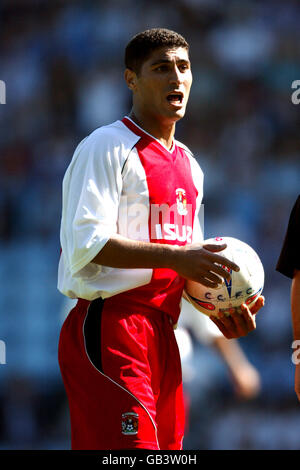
<point x="245" y="285"/>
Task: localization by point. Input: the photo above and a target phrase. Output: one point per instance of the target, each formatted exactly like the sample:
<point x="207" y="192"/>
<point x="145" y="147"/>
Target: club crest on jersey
<point x="130" y="423"/>
<point x="181" y="201"/>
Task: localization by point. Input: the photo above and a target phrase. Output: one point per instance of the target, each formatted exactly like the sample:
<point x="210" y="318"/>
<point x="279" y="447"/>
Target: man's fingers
<point x="237" y="324"/>
<point x="221" y="272"/>
<point x="218" y="322"/>
<point x="245" y="320"/>
<point x="208" y="279"/>
<point x="260" y="302"/>
<point x="215" y="258"/>
<point x="214" y="247"/>
<point x="214" y="278"/>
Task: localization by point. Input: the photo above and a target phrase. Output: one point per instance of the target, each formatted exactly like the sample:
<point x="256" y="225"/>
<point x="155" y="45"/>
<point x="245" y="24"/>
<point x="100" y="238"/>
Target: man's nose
<point x="175" y="75"/>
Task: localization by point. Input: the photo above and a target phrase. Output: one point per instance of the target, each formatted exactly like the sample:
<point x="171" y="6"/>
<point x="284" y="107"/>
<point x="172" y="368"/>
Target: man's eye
<point x="162" y="68"/>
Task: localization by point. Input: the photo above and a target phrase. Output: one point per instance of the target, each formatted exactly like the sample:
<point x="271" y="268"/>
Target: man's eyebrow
<point x="168" y="61"/>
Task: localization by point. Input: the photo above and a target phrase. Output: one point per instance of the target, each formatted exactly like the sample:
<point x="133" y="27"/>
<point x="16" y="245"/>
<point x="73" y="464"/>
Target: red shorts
<point x="122" y="374"/>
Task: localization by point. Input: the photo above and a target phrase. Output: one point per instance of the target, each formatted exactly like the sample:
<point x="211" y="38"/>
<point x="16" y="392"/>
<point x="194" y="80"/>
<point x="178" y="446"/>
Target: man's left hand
<point x="238" y="324"/>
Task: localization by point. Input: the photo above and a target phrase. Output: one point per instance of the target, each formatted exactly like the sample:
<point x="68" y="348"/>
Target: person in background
<point x="288" y="264"/>
<point x="244" y="376"/>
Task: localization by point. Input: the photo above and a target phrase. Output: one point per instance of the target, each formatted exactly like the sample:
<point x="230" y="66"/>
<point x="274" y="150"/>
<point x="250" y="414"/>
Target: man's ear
<point x="130" y="79"/>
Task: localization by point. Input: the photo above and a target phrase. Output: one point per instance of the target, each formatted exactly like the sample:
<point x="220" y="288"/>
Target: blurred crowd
<point x="62" y="63"/>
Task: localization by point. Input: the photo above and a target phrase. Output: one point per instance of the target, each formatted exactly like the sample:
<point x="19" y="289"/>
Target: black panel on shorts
<point x="92" y="332"/>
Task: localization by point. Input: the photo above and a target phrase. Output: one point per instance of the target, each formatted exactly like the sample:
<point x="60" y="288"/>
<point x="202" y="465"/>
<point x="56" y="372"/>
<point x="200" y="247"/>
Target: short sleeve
<point x="91" y="194"/>
<point x="289" y="258"/>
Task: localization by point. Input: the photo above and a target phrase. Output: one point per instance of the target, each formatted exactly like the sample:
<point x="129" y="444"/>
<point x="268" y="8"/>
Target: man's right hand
<point x="201" y="262"/>
<point x="198" y="262"/>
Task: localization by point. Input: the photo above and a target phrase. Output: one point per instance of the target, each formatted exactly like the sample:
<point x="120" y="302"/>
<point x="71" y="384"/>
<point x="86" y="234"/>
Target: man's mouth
<point x="175" y="97"/>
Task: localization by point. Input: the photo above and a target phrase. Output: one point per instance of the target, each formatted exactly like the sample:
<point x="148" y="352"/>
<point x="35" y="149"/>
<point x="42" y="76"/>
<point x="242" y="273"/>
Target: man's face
<point x="162" y="87"/>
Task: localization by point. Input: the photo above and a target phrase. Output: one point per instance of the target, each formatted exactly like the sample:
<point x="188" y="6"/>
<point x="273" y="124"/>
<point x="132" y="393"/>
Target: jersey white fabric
<point x="105" y="192"/>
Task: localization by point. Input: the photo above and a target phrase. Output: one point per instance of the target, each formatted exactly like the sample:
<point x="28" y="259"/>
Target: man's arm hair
<point x="121" y="252"/>
<point x="199" y="262"/>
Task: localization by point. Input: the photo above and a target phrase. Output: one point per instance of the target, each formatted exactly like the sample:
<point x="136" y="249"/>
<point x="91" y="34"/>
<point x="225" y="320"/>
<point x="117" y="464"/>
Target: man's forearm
<point x="121" y="252"/>
<point x="197" y="261"/>
<point x="295" y="304"/>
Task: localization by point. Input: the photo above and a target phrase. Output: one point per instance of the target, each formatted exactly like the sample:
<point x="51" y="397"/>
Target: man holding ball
<point x="130" y="236"/>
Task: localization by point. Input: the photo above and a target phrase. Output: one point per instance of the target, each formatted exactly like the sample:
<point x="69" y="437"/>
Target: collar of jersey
<point x="154" y="138"/>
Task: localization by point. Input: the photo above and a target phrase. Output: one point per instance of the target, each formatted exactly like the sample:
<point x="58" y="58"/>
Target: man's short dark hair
<point x="139" y="49"/>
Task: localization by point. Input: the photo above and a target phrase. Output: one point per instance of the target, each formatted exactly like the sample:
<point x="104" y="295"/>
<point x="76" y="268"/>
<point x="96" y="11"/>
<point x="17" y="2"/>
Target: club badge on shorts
<point x="130" y="423"/>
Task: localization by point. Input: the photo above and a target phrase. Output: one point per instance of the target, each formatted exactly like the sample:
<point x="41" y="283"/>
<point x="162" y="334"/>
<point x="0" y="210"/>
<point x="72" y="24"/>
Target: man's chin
<point x="175" y="115"/>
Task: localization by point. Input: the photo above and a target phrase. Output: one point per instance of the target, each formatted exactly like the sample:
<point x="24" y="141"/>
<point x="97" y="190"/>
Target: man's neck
<point x="163" y="133"/>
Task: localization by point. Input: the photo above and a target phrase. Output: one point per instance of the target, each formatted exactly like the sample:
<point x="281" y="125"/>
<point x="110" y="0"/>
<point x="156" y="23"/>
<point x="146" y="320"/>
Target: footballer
<point x="130" y="237"/>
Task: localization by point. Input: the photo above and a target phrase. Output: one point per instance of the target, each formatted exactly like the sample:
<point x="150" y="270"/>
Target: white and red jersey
<point x="123" y="180"/>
